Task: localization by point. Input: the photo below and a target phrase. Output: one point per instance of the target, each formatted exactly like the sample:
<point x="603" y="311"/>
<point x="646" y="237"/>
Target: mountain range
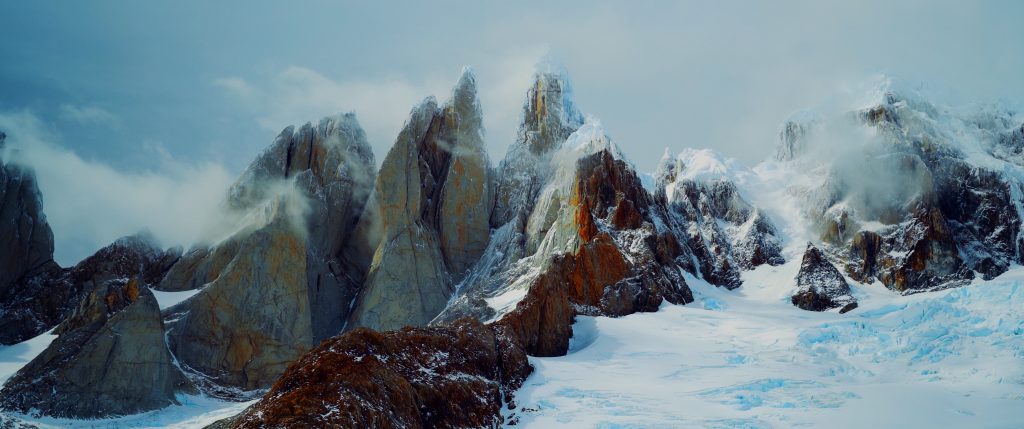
<point x="415" y="294"/>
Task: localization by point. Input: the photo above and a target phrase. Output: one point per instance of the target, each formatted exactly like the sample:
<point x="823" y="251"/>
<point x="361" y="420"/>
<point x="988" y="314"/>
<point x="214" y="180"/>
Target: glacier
<point x="747" y="358"/>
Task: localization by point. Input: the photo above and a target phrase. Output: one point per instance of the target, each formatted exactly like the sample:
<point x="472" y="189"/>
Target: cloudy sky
<point x="139" y="114"/>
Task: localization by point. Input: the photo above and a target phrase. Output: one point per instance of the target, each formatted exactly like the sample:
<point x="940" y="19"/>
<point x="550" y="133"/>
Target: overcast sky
<point x="147" y="109"/>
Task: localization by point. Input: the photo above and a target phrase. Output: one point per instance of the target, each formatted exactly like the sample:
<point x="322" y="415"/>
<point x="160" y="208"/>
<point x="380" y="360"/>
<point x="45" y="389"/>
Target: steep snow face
<point x="724" y="230"/>
<point x="747" y="358"/>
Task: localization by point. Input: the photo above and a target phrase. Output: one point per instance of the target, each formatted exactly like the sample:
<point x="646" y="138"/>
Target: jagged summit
<point x="434" y="195"/>
<point x="906" y="191"/>
<point x="549" y="113"/>
<point x="286" y="280"/>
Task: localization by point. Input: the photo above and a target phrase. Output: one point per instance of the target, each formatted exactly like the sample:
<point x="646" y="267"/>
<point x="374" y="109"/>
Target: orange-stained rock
<point x="453" y="376"/>
<point x="586" y="228"/>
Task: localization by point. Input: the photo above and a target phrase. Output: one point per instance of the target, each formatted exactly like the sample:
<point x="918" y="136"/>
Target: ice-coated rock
<point x="725" y="233"/>
<point x="819" y="285"/>
<point x="549" y="118"/>
<point x="595" y="242"/>
<point x="110" y="359"/>
<point x="929" y="197"/>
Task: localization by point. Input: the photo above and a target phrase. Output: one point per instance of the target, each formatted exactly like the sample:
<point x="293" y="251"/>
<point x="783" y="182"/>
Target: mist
<point x="143" y="124"/>
<point x="89" y="204"/>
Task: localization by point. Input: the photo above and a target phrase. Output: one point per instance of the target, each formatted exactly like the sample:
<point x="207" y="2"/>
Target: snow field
<point x="749" y="359"/>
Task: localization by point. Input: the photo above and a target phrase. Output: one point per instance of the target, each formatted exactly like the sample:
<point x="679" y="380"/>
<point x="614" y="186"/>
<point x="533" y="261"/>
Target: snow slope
<point x="194" y="412"/>
<point x="15" y="356"/>
<point x="748" y="358"/>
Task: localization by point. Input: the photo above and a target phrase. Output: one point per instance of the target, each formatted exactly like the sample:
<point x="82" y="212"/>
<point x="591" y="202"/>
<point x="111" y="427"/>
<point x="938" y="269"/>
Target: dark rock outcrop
<point x="452" y="376"/>
<point x="26" y="255"/>
<point x="41" y="301"/>
<point x="820" y="286"/>
<point x="110" y="359"/>
<point x="26" y="241"/>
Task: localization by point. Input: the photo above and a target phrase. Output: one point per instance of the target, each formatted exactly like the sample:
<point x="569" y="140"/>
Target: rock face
<point x="26" y="254"/>
<point x="110" y="359"/>
<point x="41" y="301"/>
<point x="246" y="326"/>
<point x="453" y="376"/>
<point x="549" y="118"/>
<point x="434" y="196"/>
<point x="285" y="279"/>
<point x="567" y="203"/>
<point x="586" y="239"/>
<point x="820" y="286"/>
<point x="26" y="241"/>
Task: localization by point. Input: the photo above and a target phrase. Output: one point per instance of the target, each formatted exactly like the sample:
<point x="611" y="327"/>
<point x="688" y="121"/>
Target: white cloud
<point x="89" y="115"/>
<point x="89" y="204"/>
<point x="235" y="85"/>
<point x="296" y="95"/>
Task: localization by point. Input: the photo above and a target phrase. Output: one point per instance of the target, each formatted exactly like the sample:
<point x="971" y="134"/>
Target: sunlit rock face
<point x="283" y="275"/>
<point x="244" y="327"/>
<point x="434" y="196"/>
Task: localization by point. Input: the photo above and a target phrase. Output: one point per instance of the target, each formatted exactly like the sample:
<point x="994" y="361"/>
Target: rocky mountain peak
<point x="549" y="114"/>
<point x="563" y="227"/>
<point x="434" y="193"/>
<point x="298" y="280"/>
<point x="820" y="286"/>
<point x="110" y="359"/>
<point x="26" y="240"/>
